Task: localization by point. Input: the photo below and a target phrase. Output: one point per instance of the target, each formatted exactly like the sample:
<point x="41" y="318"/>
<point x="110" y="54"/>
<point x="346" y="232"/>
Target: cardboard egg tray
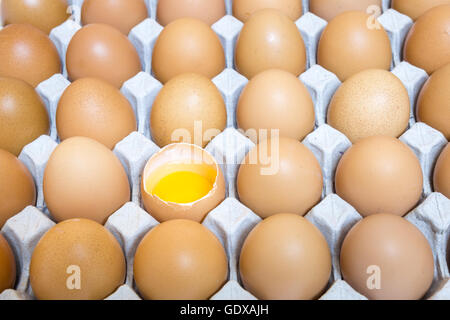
<point x="231" y="221"/>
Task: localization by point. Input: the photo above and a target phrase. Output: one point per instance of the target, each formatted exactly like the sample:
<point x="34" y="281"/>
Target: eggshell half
<point x="183" y="155"/>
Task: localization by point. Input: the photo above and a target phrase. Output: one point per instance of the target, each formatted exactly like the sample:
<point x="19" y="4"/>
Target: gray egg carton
<point x="231" y="221"/>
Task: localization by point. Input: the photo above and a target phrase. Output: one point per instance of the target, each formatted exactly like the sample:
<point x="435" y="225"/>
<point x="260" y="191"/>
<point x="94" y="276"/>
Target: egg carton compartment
<point x="231" y="221"/>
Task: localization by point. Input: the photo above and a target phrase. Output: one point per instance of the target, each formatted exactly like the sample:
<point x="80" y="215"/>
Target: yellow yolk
<point x="182" y="187"/>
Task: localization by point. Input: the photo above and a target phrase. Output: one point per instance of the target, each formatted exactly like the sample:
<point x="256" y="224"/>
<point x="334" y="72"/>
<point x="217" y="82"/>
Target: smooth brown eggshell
<point x="184" y="155"/>
<point x="289" y="181"/>
<point x="95" y="109"/>
<point x="82" y="243"/>
<point x="427" y="44"/>
<point x="285" y="257"/>
<point x="208" y="11"/>
<point x="275" y="100"/>
<point x="7" y="265"/>
<point x="123" y="15"/>
<point x="43" y="14"/>
<point x="23" y="116"/>
<point x="348" y="46"/>
<point x="379" y="174"/>
<point x="400" y="251"/>
<point x="269" y="40"/>
<point x="17" y="189"/>
<point x="441" y="178"/>
<point x="433" y="104"/>
<point x="189" y="102"/>
<point x="329" y="9"/>
<point x="243" y="9"/>
<point x="187" y="45"/>
<point x="415" y="8"/>
<point x="101" y="51"/>
<point x="27" y="53"/>
<point x="84" y="179"/>
<point x="369" y="103"/>
<point x="180" y="260"/>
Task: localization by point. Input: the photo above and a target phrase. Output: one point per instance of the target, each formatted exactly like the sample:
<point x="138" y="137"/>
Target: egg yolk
<point x="182" y="187"/>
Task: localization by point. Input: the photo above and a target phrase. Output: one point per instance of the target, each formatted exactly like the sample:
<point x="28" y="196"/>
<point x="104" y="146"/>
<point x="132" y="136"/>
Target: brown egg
<point x="385" y="257"/>
<point x="442" y="173"/>
<point x="7" y="265"/>
<point x="285" y="257"/>
<point x="415" y="8"/>
<point x="208" y="11"/>
<point x="280" y="175"/>
<point x="269" y="40"/>
<point x="101" y="51"/>
<point x="182" y="181"/>
<point x="84" y="179"/>
<point x="17" y="189"/>
<point x="433" y="104"/>
<point x="180" y="260"/>
<point x="243" y="9"/>
<point x="329" y="9"/>
<point x="43" y="14"/>
<point x="379" y="174"/>
<point x="348" y="46"/>
<point x="95" y="109"/>
<point x="123" y="15"/>
<point x="427" y="44"/>
<point x="275" y="100"/>
<point x="23" y="116"/>
<point x="27" y="53"/>
<point x="187" y="45"/>
<point x="369" y="103"/>
<point x="189" y="108"/>
<point x="77" y="259"/>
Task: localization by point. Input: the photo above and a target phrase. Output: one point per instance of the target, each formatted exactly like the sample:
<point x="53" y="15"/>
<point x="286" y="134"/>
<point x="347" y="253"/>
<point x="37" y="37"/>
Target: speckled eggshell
<point x="369" y="103"/>
<point x="123" y="15"/>
<point x="329" y="9"/>
<point x="17" y="189"/>
<point x="180" y="260"/>
<point x="441" y="176"/>
<point x="27" y="53"/>
<point x="389" y="248"/>
<point x="101" y="51"/>
<point x="427" y="44"/>
<point x="415" y="8"/>
<point x="95" y="109"/>
<point x="208" y="11"/>
<point x="71" y="246"/>
<point x="43" y="14"/>
<point x="348" y="46"/>
<point x="189" y="102"/>
<point x="187" y="45"/>
<point x="285" y="257"/>
<point x="84" y="179"/>
<point x="280" y="176"/>
<point x="7" y="265"/>
<point x="433" y="104"/>
<point x="23" y="116"/>
<point x="275" y="100"/>
<point x="379" y="174"/>
<point x="243" y="9"/>
<point x="269" y="40"/>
